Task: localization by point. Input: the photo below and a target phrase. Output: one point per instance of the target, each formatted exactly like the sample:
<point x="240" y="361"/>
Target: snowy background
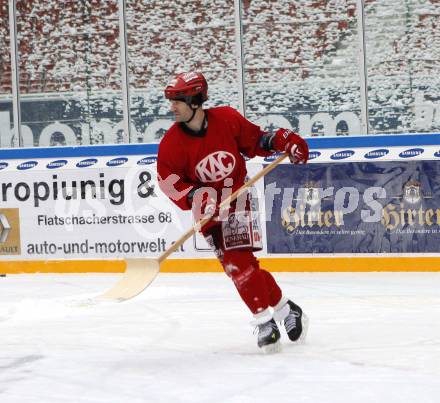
<point x="301" y="62"/>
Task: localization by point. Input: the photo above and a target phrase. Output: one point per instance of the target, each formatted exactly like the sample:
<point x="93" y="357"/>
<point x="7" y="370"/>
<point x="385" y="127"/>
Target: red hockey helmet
<point x="190" y="87"/>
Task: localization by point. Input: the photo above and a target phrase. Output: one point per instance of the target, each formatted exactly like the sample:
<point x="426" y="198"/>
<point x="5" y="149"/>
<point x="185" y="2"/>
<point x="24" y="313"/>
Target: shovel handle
<point x="224" y="203"/>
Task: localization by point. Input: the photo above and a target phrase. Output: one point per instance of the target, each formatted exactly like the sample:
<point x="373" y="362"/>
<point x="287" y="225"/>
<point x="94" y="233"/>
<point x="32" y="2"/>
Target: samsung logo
<point x="437" y="154"/>
<point x="56" y="164"/>
<point x="376" y="153"/>
<point x="341" y="155"/>
<point x="271" y="158"/>
<point x="3" y="165"/>
<point x="86" y="163"/>
<point x="117" y="161"/>
<point x="314" y="154"/>
<point x="412" y="152"/>
<point x="27" y="165"/>
<point x="147" y="160"/>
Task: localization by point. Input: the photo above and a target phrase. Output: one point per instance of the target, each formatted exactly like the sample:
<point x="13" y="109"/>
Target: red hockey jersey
<point x="186" y="161"/>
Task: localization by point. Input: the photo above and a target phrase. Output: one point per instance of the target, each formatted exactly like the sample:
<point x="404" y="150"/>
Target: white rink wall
<point x="87" y="209"/>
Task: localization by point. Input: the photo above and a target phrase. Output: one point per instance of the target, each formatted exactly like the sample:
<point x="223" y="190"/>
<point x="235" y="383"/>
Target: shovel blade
<point x="138" y="275"/>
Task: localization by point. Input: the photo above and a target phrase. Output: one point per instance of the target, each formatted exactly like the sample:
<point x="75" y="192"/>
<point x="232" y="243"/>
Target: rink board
<point x="297" y="264"/>
<point x="120" y="212"/>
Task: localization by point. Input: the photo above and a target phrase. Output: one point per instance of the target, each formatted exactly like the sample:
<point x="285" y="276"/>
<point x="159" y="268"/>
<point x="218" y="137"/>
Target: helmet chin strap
<point x="193" y="114"/>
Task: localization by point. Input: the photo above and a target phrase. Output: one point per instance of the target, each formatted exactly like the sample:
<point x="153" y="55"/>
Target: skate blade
<point x="273" y="348"/>
<point x="305" y="328"/>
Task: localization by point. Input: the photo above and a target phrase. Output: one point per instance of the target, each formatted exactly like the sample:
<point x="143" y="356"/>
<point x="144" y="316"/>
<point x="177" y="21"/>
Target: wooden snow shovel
<point x="139" y="273"/>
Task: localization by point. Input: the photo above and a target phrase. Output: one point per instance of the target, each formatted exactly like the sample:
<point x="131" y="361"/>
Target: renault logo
<point x="4" y="228"/>
<point x="10" y="243"/>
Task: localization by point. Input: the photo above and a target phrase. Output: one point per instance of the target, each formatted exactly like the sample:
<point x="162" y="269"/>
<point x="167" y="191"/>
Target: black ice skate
<point x="268" y="336"/>
<point x="296" y="323"/>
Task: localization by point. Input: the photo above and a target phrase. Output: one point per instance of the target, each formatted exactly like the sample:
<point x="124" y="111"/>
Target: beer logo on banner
<point x="115" y="162"/>
<point x="215" y="166"/>
<point x="87" y="163"/>
<point x="412" y="192"/>
<point x="342" y="155"/>
<point x="412" y="152"/>
<point x="376" y="153"/>
<point x="147" y="160"/>
<point x="311" y="194"/>
<point x="56" y="164"/>
<point x="10" y="243"/>
<point x="27" y="165"/>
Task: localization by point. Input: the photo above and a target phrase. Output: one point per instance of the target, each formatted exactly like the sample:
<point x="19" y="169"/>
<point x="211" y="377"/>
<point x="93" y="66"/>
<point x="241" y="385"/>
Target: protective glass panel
<point x="168" y="37"/>
<point x="301" y="65"/>
<point x="403" y="58"/>
<point x="69" y="66"/>
<point x="5" y="79"/>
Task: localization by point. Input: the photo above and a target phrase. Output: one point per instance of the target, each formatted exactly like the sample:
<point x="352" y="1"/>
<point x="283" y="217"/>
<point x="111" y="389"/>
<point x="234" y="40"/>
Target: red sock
<point x="256" y="287"/>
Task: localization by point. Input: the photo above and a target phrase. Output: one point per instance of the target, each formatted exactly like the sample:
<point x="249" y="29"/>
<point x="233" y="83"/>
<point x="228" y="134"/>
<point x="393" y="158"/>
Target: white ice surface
<point x="373" y="337"/>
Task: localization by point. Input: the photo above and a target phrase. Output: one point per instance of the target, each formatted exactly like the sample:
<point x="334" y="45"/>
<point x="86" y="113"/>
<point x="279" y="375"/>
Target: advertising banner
<point x="355" y="207"/>
<point x="104" y="207"/>
<point x="85" y="208"/>
<point x="76" y="203"/>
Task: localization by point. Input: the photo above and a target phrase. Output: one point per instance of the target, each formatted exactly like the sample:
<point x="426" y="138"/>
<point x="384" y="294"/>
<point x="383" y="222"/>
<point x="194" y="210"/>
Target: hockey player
<point x="199" y="158"/>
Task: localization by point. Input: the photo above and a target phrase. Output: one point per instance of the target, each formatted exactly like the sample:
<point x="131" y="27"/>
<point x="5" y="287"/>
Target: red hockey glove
<point x="285" y="140"/>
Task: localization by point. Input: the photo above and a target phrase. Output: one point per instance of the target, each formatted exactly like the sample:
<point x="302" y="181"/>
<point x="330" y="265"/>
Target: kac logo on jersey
<point x="215" y="166"/>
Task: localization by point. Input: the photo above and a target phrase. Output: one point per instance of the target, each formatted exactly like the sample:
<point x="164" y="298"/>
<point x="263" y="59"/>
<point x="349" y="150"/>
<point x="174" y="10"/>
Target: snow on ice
<point x="373" y="337"/>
